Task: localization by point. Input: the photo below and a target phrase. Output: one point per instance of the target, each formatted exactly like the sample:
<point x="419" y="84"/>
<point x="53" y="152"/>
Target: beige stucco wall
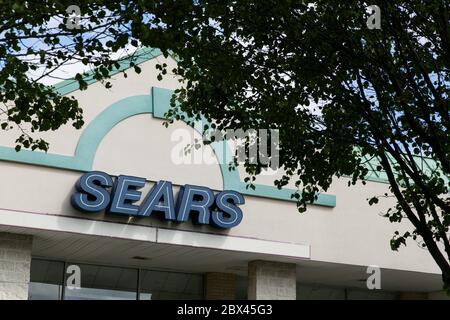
<point x="351" y="233"/>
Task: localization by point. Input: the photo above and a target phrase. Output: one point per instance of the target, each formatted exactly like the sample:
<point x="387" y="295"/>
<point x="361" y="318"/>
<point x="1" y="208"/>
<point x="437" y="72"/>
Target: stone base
<point x="15" y="264"/>
<point x="269" y="280"/>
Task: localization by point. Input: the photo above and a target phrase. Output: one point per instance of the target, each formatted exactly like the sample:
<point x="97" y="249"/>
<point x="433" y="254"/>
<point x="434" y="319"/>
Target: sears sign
<point x="198" y="203"/>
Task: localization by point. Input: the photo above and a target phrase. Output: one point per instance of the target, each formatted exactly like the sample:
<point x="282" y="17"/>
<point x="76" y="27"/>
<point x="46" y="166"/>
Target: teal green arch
<point x="231" y="178"/>
<point x="157" y="103"/>
<point x="89" y="140"/>
<point x="97" y="129"/>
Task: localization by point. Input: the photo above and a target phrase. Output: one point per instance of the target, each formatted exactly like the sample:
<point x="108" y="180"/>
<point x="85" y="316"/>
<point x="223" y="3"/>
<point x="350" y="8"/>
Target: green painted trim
<point x="156" y="103"/>
<point x="140" y="56"/>
<point x="89" y="140"/>
<point x="96" y="130"/>
<point x="231" y="178"/>
<point x="161" y="104"/>
<point x="426" y="164"/>
<point x="272" y="192"/>
<point x="40" y="158"/>
<point x="160" y="101"/>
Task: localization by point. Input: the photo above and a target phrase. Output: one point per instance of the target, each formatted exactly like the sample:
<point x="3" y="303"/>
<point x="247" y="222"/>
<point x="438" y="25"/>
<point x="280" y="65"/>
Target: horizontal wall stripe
<point x="46" y="222"/>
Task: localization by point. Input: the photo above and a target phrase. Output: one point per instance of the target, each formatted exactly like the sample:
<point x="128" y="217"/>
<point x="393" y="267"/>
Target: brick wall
<point x="220" y="286"/>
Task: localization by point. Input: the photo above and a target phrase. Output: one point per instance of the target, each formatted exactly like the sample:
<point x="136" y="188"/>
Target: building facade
<point x="52" y="249"/>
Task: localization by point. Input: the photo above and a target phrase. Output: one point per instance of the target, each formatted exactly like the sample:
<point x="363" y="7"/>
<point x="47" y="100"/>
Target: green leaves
<point x="29" y="41"/>
<point x="373" y="200"/>
<point x="384" y="94"/>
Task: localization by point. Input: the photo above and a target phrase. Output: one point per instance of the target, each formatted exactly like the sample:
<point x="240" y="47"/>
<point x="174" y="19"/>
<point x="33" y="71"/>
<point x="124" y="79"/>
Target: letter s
<point x="91" y="195"/>
<point x="226" y="202"/>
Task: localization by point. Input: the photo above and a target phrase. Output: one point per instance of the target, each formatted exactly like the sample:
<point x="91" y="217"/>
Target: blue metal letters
<point x="195" y="202"/>
<point x="91" y="195"/>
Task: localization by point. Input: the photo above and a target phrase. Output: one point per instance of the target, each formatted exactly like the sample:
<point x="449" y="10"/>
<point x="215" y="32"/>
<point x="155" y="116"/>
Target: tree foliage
<point x="338" y="92"/>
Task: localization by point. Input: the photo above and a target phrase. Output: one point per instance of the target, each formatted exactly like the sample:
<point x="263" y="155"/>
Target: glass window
<point x="323" y="292"/>
<point x="360" y="294"/>
<point x="319" y="292"/>
<point x="157" y="285"/>
<point x="103" y="283"/>
<point x="45" y="280"/>
<point x="109" y="283"/>
<point x="241" y="288"/>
